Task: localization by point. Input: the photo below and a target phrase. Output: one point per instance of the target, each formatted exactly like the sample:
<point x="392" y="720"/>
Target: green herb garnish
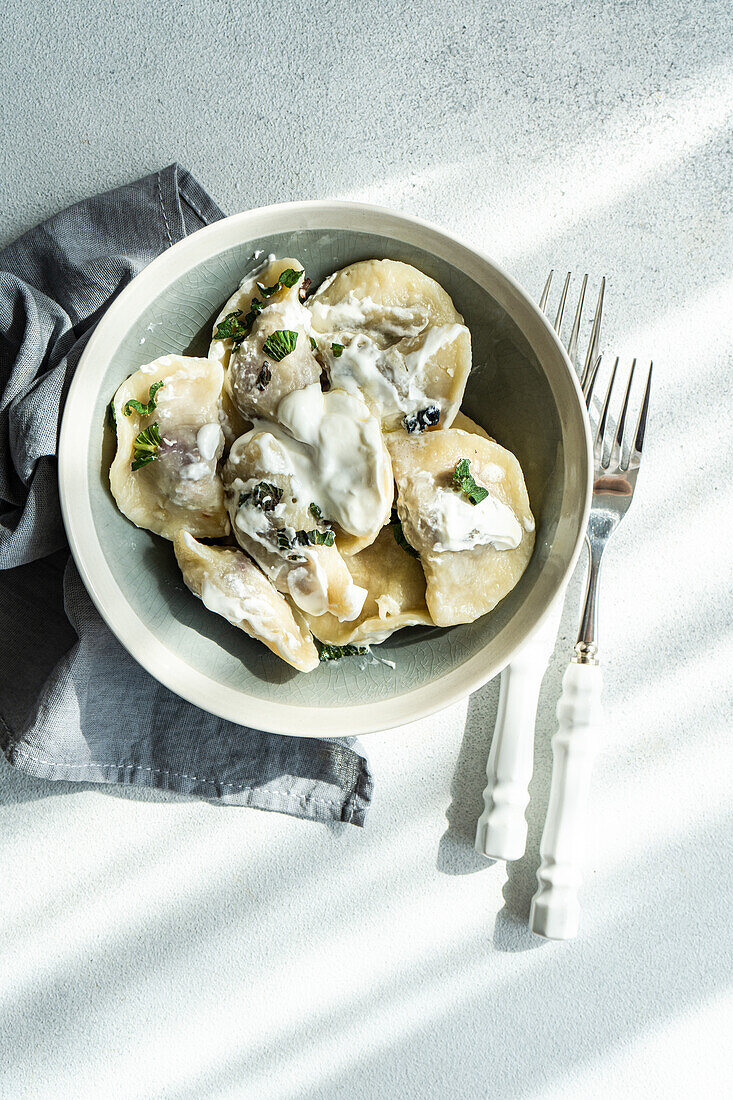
<point x="231" y="328"/>
<point x="399" y="536"/>
<point x="263" y="495"/>
<point x="287" y="278"/>
<point x="264" y="377"/>
<point x="111" y="415"/>
<point x="255" y="309"/>
<point x="314" y="344"/>
<point x="315" y="511"/>
<point x="463" y="480"/>
<point x="336" y="652"/>
<point x="337" y="350"/>
<point x="145" y="446"/>
<point x="318" y="538"/>
<point x="143" y="409"/>
<point x="284" y="540"/>
<point x="280" y="343"/>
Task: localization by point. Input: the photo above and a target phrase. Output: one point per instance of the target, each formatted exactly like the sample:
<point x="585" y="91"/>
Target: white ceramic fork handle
<point x="501" y="832"/>
<point x="555" y="909"/>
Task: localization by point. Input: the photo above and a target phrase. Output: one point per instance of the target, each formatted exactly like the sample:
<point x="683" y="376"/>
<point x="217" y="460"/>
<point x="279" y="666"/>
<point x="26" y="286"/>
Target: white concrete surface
<point x="181" y="950"/>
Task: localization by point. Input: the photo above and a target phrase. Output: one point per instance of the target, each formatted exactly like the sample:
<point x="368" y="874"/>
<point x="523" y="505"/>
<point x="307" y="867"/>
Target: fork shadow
<point x="456" y="852"/>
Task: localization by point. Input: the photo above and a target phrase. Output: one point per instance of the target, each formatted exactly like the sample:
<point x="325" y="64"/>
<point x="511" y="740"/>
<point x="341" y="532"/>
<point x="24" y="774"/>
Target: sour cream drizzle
<point x="459" y="525"/>
<point x="332" y="448"/>
<point x="353" y="314"/>
<point x="393" y="383"/>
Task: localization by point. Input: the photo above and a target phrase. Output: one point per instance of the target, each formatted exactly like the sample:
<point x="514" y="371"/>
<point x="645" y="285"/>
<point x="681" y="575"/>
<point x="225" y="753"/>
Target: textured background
<point x="181" y="950"/>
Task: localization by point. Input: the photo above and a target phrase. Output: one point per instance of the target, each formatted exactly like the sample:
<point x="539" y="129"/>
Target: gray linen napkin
<point x="73" y="704"/>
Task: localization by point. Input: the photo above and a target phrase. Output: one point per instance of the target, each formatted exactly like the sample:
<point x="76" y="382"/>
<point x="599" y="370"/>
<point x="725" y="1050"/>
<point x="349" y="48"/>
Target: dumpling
<point x="230" y="584"/>
<point x="472" y="554"/>
<point x="169" y="440"/>
<point x="265" y="366"/>
<point x="465" y="424"/>
<point x="333" y="476"/>
<point x="279" y="531"/>
<point x="298" y="489"/>
<point x="388" y="330"/>
<point x="395" y="586"/>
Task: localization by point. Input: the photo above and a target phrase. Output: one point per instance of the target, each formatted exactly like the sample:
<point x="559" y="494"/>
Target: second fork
<point x="555" y="909"/>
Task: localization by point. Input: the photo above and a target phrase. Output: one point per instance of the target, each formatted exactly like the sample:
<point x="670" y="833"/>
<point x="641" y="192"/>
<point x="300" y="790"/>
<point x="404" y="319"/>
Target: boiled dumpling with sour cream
<point x="473" y="554"/>
<point x="230" y="584"/>
<point x="268" y="352"/>
<point x="169" y="440"/>
<point x="390" y="331"/>
<point x="298" y="489"/>
<point x="395" y="587"/>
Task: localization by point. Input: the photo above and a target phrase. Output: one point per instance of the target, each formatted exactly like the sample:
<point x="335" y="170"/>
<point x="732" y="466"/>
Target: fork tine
<point x="546" y="291"/>
<point x="641" y="423"/>
<point x="561" y="306"/>
<point x="616" y="456"/>
<point x="601" y="429"/>
<point x="573" y="342"/>
<point x="591" y="382"/>
<point x="595" y="334"/>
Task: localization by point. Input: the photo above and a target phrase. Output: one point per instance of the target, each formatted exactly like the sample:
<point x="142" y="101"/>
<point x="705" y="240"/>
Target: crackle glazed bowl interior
<point x="521" y="390"/>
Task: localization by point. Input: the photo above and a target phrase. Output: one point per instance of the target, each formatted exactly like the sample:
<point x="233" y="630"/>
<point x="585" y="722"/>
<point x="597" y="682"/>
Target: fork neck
<point x="586" y="647"/>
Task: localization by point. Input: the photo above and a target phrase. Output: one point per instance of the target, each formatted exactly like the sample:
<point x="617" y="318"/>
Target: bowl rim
<point x="140" y="641"/>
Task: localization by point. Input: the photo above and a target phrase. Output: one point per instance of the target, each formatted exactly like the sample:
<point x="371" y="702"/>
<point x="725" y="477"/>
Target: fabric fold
<point x="73" y="704"/>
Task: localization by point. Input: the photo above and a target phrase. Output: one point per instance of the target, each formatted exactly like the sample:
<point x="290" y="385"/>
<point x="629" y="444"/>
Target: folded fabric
<point x="73" y="704"/>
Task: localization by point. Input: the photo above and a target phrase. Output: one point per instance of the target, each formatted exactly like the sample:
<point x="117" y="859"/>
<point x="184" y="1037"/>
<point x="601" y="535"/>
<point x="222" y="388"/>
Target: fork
<point x="501" y="830"/>
<point x="555" y="909"/>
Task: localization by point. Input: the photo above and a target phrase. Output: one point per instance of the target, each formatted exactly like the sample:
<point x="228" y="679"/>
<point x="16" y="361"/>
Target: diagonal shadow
<point x="634" y="978"/>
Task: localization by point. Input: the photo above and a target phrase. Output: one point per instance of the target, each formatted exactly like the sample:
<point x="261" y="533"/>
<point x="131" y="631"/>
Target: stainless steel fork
<point x="555" y="909"/>
<point x="501" y="830"/>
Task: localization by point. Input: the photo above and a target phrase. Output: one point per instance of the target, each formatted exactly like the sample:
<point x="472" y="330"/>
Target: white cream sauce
<point x="393" y="383"/>
<point x="298" y="570"/>
<point x="196" y="471"/>
<point x="257" y="613"/>
<point x="209" y="440"/>
<point x="353" y="314"/>
<point x="332" y="448"/>
<point x="459" y="525"/>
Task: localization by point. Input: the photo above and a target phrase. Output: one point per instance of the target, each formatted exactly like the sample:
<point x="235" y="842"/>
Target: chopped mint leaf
<point x="399" y="535"/>
<point x="284" y="540"/>
<point x="337" y="350"/>
<point x="319" y="538"/>
<point x="315" y="511"/>
<point x="263" y="495"/>
<point x="145" y="446"/>
<point x="280" y="343"/>
<point x="287" y="278"/>
<point x="336" y="652"/>
<point x="255" y="309"/>
<point x="424" y="418"/>
<point x="463" y="480"/>
<point x="231" y="328"/>
<point x="147" y="408"/>
<point x="314" y="345"/>
<point x="264" y="377"/>
<point x="111" y="415"/>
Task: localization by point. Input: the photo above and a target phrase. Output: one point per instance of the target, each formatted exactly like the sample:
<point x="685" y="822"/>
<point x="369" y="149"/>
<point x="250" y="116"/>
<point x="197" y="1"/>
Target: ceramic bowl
<point x="522" y="390"/>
